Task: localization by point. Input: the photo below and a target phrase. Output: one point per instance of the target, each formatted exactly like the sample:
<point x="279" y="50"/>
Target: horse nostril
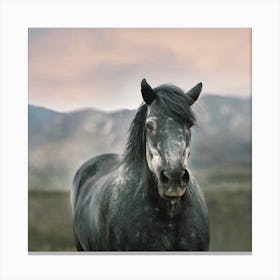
<point x="186" y="176"/>
<point x="163" y="177"/>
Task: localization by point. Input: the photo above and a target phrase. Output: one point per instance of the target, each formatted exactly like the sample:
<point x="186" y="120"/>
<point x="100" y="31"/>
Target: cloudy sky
<point x="102" y="68"/>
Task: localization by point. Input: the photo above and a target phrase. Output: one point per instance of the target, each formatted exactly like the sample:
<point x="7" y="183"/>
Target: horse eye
<point x="150" y="126"/>
<point x="187" y="153"/>
<point x="188" y="124"/>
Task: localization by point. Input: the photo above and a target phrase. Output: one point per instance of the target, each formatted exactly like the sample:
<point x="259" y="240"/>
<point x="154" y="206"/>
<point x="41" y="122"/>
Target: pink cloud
<point x="72" y="68"/>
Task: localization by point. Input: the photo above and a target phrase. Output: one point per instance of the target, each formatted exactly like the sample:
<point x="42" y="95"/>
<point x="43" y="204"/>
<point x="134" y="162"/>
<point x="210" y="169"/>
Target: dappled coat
<point x="147" y="198"/>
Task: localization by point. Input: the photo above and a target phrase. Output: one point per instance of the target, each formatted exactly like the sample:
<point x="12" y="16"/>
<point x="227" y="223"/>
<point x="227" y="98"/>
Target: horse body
<point x="138" y="201"/>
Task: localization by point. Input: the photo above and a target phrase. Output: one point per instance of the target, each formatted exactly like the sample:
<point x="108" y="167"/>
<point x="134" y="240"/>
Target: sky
<point x="74" y="68"/>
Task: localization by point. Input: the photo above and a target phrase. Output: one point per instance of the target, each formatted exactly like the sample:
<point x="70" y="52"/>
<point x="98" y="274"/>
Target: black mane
<point x="174" y="103"/>
<point x="135" y="147"/>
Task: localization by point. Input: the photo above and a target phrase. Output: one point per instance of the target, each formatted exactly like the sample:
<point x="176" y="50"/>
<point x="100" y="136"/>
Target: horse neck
<point x="139" y="173"/>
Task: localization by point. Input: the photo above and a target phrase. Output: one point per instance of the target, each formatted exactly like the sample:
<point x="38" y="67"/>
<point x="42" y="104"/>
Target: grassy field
<point x="49" y="222"/>
<point x="228" y="198"/>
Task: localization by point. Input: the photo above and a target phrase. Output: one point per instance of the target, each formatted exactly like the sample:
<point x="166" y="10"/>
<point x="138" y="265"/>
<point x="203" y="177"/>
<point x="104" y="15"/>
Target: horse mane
<point x="174" y="103"/>
<point x="135" y="146"/>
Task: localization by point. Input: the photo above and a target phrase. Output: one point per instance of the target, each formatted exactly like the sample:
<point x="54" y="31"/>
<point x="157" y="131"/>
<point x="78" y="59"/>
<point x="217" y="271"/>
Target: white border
<point x="262" y="16"/>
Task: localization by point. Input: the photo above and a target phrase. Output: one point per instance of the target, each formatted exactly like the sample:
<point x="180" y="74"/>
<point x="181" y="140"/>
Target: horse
<point x="145" y="199"/>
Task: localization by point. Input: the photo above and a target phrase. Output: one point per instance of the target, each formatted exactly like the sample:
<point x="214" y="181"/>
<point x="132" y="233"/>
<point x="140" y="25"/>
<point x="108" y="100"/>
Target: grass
<point x="223" y="176"/>
<point x="227" y="192"/>
<point x="230" y="219"/>
<point x="49" y="222"/>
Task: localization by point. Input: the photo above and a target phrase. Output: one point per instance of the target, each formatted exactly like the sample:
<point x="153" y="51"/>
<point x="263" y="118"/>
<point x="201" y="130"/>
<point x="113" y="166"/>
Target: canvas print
<point x="139" y="140"/>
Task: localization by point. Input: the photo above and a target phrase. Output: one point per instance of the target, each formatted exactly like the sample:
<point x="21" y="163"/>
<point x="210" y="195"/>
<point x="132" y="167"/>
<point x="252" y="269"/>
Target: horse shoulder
<point x="92" y="170"/>
<point x="198" y="196"/>
<point x="198" y="215"/>
<point x="89" y="188"/>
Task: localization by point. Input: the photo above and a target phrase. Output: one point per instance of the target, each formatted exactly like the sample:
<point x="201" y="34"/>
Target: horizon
<point x="129" y="109"/>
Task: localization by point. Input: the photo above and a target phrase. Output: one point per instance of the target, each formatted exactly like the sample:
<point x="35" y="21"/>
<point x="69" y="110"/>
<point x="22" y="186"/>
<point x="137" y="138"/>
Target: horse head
<point x="168" y="135"/>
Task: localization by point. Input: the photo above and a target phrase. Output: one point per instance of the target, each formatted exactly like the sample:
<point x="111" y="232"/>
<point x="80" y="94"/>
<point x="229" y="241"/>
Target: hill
<point x="60" y="142"/>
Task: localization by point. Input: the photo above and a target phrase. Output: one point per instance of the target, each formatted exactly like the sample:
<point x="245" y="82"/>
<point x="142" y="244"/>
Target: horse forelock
<point x="175" y="103"/>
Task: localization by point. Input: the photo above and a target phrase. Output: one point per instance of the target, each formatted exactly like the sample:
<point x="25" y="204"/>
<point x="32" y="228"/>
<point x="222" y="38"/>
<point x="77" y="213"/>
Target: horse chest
<point x="147" y="230"/>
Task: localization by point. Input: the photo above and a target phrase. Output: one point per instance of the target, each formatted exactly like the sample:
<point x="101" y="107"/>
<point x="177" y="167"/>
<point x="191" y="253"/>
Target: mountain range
<point x="58" y="143"/>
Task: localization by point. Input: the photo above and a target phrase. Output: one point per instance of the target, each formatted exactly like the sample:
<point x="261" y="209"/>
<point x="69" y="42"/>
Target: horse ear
<point x="195" y="92"/>
<point x="147" y="92"/>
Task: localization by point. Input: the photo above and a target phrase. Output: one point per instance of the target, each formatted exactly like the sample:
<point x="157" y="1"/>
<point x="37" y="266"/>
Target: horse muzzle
<point x="173" y="193"/>
<point x="172" y="182"/>
<point x="173" y="187"/>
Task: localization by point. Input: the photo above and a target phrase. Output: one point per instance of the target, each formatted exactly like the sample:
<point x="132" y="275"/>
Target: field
<point x="228" y="196"/>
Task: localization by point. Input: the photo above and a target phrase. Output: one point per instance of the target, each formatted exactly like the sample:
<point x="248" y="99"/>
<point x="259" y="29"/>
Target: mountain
<point x="224" y="131"/>
<point x="60" y="142"/>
